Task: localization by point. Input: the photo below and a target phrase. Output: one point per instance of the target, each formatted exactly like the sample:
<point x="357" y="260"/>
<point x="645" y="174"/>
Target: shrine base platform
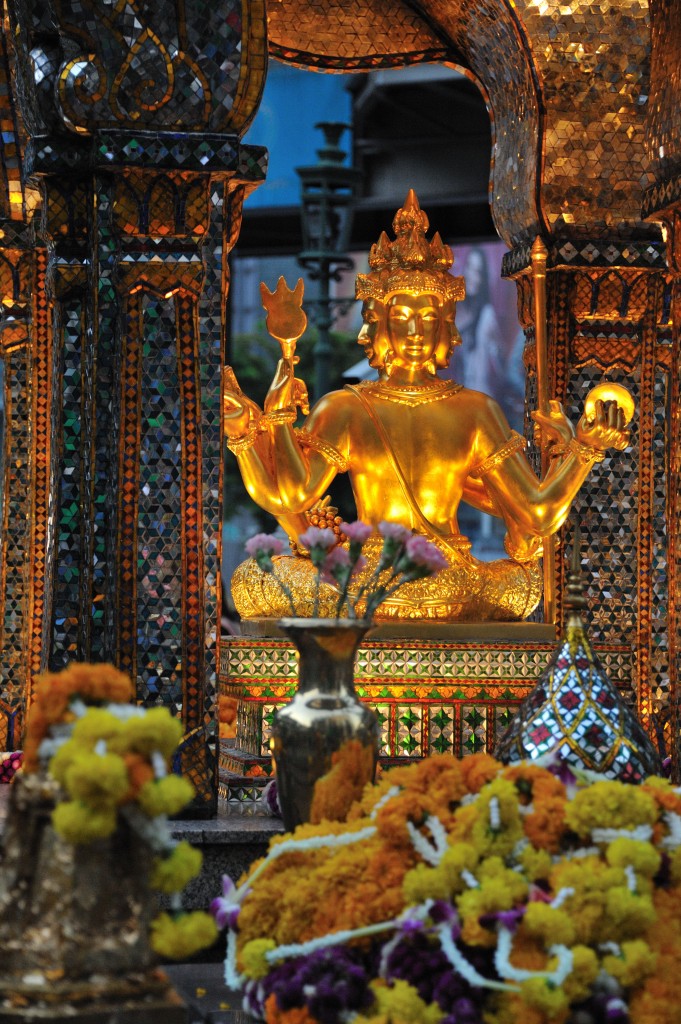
<point x="436" y="688"/>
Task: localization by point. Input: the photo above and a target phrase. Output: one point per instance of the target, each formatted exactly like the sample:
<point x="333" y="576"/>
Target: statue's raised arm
<point x="415" y="445"/>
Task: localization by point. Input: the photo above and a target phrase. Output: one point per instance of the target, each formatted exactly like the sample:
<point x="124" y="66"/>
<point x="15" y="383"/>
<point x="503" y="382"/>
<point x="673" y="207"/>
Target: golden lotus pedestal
<point x="437" y="688"/>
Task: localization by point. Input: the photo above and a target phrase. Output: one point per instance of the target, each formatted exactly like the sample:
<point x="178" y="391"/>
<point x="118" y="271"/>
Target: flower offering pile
<point x="468" y="892"/>
<point x="111" y="760"/>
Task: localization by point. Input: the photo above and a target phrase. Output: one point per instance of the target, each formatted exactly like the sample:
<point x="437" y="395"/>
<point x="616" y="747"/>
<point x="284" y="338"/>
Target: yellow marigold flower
<point x="627" y="913"/>
<point x="465" y="818"/>
<point x="636" y="963"/>
<point x="493" y="868"/>
<point x="459" y="857"/>
<point x="536" y="864"/>
<point x="79" y="823"/>
<point x="585" y="968"/>
<point x="643" y="857"/>
<point x="155" y="730"/>
<point x="171" y="873"/>
<point x="498" y="800"/>
<point x="549" y="999"/>
<point x="402" y="1003"/>
<point x="615" y="803"/>
<point x="63" y="759"/>
<point x="425" y="883"/>
<point x="165" y="796"/>
<point x="96" y="724"/>
<point x="177" y="938"/>
<point x="97" y="778"/>
<point x="252" y="957"/>
<point x="550" y="924"/>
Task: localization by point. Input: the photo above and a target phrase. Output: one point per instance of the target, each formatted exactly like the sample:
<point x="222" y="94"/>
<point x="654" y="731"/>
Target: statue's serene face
<point x="415" y="323"/>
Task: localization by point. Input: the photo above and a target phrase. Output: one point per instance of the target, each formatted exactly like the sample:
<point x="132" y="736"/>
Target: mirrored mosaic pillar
<point x="24" y="371"/>
<point x="609" y="319"/>
<point x="134" y="118"/>
<point x="662" y="203"/>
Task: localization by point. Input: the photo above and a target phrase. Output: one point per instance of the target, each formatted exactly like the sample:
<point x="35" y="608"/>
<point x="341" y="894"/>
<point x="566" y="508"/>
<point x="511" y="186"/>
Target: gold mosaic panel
<point x="664" y="118"/>
<point x="347" y="29"/>
<point x="585" y="65"/>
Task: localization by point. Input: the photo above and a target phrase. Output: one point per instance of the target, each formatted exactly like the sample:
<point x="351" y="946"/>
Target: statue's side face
<point x="414" y="327"/>
<point x="373" y="333"/>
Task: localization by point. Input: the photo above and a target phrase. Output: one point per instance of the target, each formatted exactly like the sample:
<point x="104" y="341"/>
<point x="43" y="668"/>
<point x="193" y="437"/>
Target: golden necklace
<point x="411" y="394"/>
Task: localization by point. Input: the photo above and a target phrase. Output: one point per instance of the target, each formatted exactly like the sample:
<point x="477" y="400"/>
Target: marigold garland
<point x="466" y="891"/>
<point x="111" y="759"/>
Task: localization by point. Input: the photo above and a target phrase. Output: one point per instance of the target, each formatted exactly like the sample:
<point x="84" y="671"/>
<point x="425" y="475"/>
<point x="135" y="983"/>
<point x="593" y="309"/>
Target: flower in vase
<point x="404" y="557"/>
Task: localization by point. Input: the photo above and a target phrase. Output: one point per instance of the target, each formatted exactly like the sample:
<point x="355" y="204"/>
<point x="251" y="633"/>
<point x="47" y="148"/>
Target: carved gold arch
<point x="567" y="85"/>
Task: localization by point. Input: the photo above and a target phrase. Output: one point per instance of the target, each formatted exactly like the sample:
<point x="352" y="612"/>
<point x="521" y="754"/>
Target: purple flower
<point x="339" y="567"/>
<point x="318" y="542"/>
<point x="263" y="543"/>
<point x="424" y="553"/>
<point x="270" y="798"/>
<point x="332" y="983"/>
<point x="394" y="532"/>
<point x="442" y="911"/>
<point x="509" y="919"/>
<point x="357" y="532"/>
<point x="336" y="565"/>
<point x="223" y="908"/>
<point x="419" y="960"/>
<point x="314" y="537"/>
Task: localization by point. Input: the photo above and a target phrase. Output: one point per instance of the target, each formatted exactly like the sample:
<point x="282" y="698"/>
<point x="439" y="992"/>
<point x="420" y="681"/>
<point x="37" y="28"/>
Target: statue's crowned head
<point x="403" y="271"/>
<point x="411" y="264"/>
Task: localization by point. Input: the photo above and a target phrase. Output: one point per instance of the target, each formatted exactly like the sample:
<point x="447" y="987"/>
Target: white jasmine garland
<point x="158" y="763"/>
<point x="505" y="969"/>
<point x="324" y="941"/>
<point x="393" y="791"/>
<point x="610" y="947"/>
<point x="463" y="967"/>
<point x="583" y="851"/>
<point x="124" y="712"/>
<point x="470" y="879"/>
<point x="673" y="823"/>
<point x="432" y="854"/>
<point x="632" y="882"/>
<point x="494" y="814"/>
<point x="608" y="835"/>
<point x="233" y="979"/>
<point x="561" y="896"/>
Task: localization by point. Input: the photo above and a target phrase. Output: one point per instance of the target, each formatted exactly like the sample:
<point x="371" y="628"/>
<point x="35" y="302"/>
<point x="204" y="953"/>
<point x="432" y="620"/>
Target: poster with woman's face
<point x="489" y="358"/>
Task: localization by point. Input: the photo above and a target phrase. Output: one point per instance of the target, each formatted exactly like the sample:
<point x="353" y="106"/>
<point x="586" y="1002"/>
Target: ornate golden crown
<point x="411" y="263"/>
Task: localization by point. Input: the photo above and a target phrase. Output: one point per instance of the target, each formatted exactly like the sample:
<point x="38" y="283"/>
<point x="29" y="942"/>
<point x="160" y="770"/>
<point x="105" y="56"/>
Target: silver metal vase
<point x="325" y="726"/>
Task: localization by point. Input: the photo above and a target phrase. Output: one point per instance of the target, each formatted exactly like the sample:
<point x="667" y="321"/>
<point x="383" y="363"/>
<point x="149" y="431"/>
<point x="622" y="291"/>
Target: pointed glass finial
<point x="575" y="713"/>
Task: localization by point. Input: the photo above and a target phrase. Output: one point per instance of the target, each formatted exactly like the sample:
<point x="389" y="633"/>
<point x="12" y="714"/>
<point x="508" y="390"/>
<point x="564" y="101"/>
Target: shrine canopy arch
<point x="566" y="87"/>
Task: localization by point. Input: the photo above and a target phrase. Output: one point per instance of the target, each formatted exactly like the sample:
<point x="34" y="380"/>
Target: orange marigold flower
<point x="139" y="772"/>
<point x="533" y="782"/>
<point x="297" y="1015"/>
<point x="393" y="816"/>
<point x="478" y="770"/>
<point x="545" y="827"/>
<point x="335" y="792"/>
